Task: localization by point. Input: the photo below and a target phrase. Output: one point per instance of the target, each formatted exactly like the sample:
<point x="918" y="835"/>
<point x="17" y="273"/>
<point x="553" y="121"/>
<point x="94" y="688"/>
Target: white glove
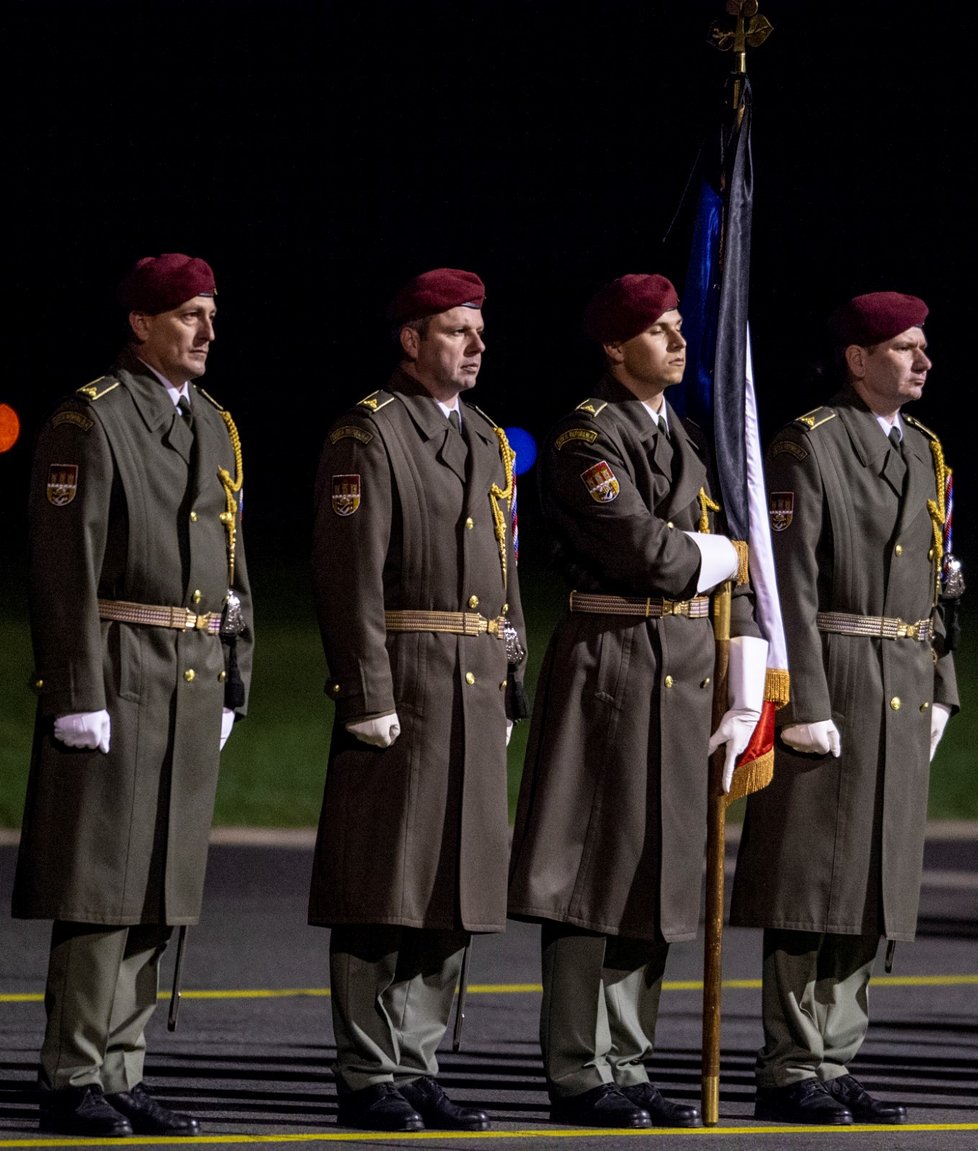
<point x="815" y="738"/>
<point x="746" y="675"/>
<point x="509" y="730"/>
<point x="91" y="729"/>
<point x="718" y="559"/>
<point x="379" y="732"/>
<point x="227" y="722"/>
<point x="940" y="713"/>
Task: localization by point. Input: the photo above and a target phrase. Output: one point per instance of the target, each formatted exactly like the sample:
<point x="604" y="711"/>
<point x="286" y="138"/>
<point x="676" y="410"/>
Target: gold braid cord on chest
<point x="232" y="486"/>
<point x="498" y="495"/>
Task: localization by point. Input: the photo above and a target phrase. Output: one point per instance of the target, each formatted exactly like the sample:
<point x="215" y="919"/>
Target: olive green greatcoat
<point x="417" y="834"/>
<point x="836" y="845"/>
<point x="611" y="821"/>
<point x="118" y="512"/>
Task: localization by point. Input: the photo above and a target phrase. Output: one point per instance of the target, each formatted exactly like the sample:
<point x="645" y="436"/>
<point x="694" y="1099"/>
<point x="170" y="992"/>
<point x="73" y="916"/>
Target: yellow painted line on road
<point x="526" y="1135"/>
<point x="518" y="988"/>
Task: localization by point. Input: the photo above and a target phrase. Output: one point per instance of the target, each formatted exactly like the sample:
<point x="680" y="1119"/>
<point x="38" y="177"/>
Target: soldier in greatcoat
<point x="831" y="853"/>
<point x="610" y="831"/>
<point x="136" y="567"/>
<point x="418" y="602"/>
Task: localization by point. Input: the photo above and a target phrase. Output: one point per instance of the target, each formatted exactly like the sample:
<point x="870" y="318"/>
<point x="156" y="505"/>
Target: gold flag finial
<point x="750" y="30"/>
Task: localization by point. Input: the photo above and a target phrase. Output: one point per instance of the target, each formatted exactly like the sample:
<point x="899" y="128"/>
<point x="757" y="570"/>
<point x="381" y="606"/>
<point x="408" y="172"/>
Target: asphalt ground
<point x="253" y="1047"/>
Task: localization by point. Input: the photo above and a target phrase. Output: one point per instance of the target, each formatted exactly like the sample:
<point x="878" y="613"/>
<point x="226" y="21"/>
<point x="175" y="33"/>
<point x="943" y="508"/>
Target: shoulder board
<point x="375" y="401"/>
<point x="592" y="407"/>
<point x="210" y="399"/>
<point x="915" y="423"/>
<point x="816" y="417"/>
<point x="98" y="388"/>
<point x="489" y="420"/>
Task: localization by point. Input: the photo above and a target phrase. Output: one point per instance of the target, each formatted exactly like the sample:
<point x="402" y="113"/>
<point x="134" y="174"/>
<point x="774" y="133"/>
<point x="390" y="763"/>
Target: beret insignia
<point x="601" y="483"/>
<point x="781" y="509"/>
<point x="345" y="494"/>
<point x="62" y="485"/>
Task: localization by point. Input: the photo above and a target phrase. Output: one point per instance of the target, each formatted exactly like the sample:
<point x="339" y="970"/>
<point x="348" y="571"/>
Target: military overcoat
<point x="119" y="512"/>
<point x="411" y="517"/>
<point x="611" y="820"/>
<point x="836" y="845"/>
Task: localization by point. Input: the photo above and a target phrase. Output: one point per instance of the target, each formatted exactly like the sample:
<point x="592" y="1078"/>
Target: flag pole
<point x="749" y="30"/>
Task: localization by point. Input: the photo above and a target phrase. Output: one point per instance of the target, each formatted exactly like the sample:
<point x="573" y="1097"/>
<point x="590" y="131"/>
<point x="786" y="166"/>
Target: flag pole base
<point x="711" y="1101"/>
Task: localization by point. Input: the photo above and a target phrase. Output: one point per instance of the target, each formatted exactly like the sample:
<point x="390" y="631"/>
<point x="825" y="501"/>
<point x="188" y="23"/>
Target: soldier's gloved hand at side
<point x="939" y="715"/>
<point x="379" y="732"/>
<point x="91" y="729"/>
<point x="227" y="722"/>
<point x="746" y="675"/>
<point x="815" y="738"/>
<point x="718" y="560"/>
<point x="509" y="730"/>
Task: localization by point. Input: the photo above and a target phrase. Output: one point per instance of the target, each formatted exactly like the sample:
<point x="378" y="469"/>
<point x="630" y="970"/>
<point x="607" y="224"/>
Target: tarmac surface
<point x="251" y="1055"/>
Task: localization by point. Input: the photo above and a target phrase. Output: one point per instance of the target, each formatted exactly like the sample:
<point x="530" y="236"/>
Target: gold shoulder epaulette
<point x="92" y="391"/>
<point x="915" y="423"/>
<point x="210" y="399"/>
<point x="375" y="401"/>
<point x="592" y="407"/>
<point x="816" y="417"/>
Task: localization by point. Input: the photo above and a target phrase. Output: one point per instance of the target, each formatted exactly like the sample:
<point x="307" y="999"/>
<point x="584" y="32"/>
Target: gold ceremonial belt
<point x="455" y="622"/>
<point x="180" y="618"/>
<point x="883" y="627"/>
<point x="696" y="608"/>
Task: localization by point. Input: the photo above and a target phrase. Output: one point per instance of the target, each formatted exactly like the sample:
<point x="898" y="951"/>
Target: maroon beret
<point x="875" y="317"/>
<point x="159" y="283"/>
<point x="627" y="306"/>
<point x="436" y="291"/>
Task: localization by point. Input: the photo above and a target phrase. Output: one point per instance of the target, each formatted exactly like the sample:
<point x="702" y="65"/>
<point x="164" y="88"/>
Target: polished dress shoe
<point x="663" y="1112"/>
<point x="437" y="1110"/>
<point x="602" y="1106"/>
<point x="149" y="1117"/>
<point x="81" y="1111"/>
<point x="865" y="1109"/>
<point x="379" y="1107"/>
<point x="804" y="1102"/>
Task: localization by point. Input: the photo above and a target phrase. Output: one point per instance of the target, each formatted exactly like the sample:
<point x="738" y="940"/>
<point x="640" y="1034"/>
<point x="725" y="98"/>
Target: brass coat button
<point x="193" y="517"/>
<point x="473" y="601"/>
<point x="896" y="703"/>
<point x="196" y="597"/>
<point x="222" y="676"/>
<point x="470" y="523"/>
<point x="190" y="675"/>
<point x="925" y="706"/>
<point x="668" y="681"/>
<point x="469" y="677"/>
<point x="898" y="550"/>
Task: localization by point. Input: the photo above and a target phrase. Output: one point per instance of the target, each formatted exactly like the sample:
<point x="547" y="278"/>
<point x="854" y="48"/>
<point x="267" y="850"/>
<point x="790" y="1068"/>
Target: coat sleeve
<point x="351" y="536"/>
<point x="800" y="551"/>
<point x="70" y="501"/>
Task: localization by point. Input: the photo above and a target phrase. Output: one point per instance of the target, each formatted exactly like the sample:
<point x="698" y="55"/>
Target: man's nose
<point x="476" y="345"/>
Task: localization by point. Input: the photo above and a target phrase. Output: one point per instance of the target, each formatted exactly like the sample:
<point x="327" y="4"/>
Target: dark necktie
<point x="455" y="419"/>
<point x="896" y="466"/>
<point x="663" y="449"/>
<point x="186" y="411"/>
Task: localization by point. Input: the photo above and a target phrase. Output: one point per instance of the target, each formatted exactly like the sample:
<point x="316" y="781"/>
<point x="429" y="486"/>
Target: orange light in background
<point x="9" y="427"/>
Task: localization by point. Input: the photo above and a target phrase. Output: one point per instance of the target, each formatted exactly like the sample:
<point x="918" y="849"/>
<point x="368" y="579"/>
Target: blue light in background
<point x="525" y="447"/>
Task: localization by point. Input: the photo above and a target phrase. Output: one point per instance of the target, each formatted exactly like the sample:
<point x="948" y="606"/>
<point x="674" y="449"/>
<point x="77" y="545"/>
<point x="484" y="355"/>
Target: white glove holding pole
<point x="746" y="676"/>
<point x="718" y="560"/>
<point x="940" y="713"/>
<point x="227" y="722"/>
<point x="814" y="738"/>
<point x="91" y="729"/>
<point x="379" y="732"/>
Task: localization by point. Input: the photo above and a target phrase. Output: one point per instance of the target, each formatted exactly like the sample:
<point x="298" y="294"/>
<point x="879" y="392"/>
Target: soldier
<point x="141" y="624"/>
<point x="415" y="582"/>
<point x="831" y="853"/>
<point x="610" y="829"/>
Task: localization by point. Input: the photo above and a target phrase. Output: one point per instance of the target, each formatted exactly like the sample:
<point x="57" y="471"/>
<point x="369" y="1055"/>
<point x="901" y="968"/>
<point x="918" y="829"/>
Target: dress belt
<point x="180" y="618"/>
<point x="454" y="622"/>
<point x="880" y="626"/>
<point x="696" y="608"/>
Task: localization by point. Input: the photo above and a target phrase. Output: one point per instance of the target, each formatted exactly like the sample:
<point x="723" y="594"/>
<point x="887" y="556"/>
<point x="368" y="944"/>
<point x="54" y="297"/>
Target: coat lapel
<point x="689" y="469"/>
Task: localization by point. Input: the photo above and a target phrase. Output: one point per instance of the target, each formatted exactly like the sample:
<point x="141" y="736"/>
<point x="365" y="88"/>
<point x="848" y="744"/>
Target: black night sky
<point x="318" y="154"/>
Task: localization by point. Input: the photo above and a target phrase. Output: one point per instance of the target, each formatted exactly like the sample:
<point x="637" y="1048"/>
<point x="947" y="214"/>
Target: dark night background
<point x="319" y="154"/>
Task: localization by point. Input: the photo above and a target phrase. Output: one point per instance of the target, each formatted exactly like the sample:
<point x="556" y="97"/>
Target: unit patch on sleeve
<point x="346" y="494"/>
<point x="350" y="432"/>
<point x="781" y="510"/>
<point x="572" y="434"/>
<point x="601" y="483"/>
<point x="62" y="486"/>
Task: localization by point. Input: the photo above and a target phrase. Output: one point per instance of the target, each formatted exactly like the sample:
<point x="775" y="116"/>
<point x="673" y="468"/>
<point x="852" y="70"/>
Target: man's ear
<point x="410" y="342"/>
<point x="856" y="361"/>
<point x="139" y="323"/>
<point x="614" y="352"/>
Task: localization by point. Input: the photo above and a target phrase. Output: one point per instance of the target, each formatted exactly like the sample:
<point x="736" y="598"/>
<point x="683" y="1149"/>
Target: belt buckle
<point x="492" y="626"/>
<point x="903" y="630"/>
<point x="675" y="607"/>
<point x="201" y="622"/>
